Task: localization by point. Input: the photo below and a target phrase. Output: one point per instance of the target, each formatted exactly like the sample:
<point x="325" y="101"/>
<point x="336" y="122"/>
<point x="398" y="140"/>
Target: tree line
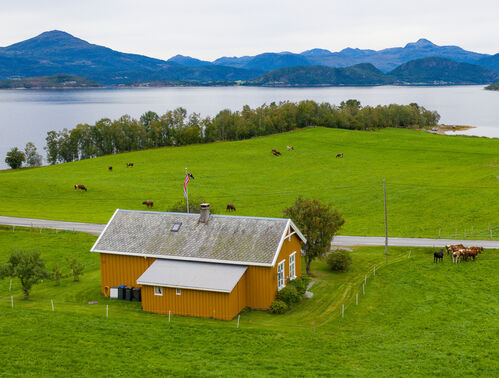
<point x="178" y="128"/>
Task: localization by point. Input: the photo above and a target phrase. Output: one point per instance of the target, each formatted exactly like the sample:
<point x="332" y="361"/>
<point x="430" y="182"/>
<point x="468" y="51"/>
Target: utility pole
<point x="386" y="223"/>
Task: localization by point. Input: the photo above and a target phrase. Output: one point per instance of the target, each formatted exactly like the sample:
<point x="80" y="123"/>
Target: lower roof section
<point x="192" y="275"/>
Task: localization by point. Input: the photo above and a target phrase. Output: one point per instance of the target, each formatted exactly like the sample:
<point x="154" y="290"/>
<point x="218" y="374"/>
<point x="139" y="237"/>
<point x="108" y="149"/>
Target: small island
<point x="61" y="81"/>
<point x="493" y="87"/>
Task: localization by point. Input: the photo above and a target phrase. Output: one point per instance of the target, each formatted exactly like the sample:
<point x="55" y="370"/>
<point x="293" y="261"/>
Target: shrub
<point x="15" y="158"/>
<point x="340" y="260"/>
<point x="289" y="295"/>
<point x="76" y="268"/>
<point x="301" y="284"/>
<point x="278" y="307"/>
<point x="57" y="275"/>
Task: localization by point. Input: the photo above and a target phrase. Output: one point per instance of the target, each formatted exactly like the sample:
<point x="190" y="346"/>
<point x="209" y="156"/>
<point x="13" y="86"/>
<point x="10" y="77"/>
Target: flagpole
<point x="187" y="192"/>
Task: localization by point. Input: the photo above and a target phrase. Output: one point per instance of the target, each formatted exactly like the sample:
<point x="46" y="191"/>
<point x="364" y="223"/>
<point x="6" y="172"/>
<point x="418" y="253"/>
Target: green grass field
<point x="433" y="182"/>
<point x="416" y="319"/>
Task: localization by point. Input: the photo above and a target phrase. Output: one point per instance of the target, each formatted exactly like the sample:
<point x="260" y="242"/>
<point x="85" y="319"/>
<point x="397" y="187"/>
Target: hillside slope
<point x="442" y="71"/>
<point x="51" y="82"/>
<point x="361" y="74"/>
<point x="434" y="182"/>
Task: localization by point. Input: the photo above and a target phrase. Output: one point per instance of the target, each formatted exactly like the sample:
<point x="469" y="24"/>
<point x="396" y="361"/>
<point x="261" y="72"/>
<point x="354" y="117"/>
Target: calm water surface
<point x="28" y="115"/>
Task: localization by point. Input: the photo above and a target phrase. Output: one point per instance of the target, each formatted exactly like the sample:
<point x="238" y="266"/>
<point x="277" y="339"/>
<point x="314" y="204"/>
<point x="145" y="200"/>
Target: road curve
<point x="338" y="241"/>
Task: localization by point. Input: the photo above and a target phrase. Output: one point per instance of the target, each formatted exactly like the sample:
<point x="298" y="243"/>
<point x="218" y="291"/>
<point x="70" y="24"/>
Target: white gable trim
<point x="286" y="233"/>
<point x="104" y="230"/>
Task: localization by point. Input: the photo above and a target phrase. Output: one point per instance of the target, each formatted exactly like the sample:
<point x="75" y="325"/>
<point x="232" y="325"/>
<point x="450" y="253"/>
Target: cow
<point x="148" y="204"/>
<point x="129" y="165"/>
<point x="456" y="256"/>
<point x="438" y="256"/>
<point x="80" y="186"/>
<point x="290" y="148"/>
<point x="468" y="252"/>
<point x="339" y="155"/>
<point x="275" y="152"/>
<point x="110" y="168"/>
<point x="478" y="249"/>
<point x="453" y="248"/>
<point x="230" y="207"/>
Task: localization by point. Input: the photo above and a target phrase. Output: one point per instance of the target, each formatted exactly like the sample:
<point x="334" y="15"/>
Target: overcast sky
<point x="209" y="29"/>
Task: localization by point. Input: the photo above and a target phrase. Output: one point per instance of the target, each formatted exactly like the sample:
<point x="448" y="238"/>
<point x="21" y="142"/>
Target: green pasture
<point x="417" y="318"/>
<point x="435" y="184"/>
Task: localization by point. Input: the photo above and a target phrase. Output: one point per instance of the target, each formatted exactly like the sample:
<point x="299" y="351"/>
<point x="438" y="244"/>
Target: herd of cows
<point x="458" y="252"/>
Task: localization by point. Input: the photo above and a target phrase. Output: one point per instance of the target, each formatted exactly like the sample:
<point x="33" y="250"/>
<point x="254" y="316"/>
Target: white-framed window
<point x="178" y="292"/>
<point x="280" y="275"/>
<point x="292" y="269"/>
<point x="158" y="290"/>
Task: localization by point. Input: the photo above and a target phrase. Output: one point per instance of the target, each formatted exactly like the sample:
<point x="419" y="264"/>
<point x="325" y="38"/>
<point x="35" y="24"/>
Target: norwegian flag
<point x="188" y="178"/>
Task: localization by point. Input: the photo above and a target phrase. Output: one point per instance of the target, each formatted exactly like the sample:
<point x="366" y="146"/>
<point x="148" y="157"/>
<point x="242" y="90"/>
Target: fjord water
<point x="27" y="115"/>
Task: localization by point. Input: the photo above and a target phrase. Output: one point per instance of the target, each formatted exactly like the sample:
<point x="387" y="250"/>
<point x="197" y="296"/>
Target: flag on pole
<point x="186" y="181"/>
<point x="188" y="177"/>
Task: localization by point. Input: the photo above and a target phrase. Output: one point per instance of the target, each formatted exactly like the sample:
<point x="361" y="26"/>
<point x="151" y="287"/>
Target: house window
<point x="292" y="270"/>
<point x="179" y="292"/>
<point x="280" y="275"/>
<point x="176" y="227"/>
<point x="158" y="290"/>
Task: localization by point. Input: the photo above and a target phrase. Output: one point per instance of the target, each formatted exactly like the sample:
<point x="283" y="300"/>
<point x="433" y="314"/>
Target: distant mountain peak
<point x="316" y="52"/>
<point x="421" y="43"/>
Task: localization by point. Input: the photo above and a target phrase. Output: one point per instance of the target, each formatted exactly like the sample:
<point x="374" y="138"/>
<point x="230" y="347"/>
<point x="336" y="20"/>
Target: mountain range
<point x="57" y="52"/>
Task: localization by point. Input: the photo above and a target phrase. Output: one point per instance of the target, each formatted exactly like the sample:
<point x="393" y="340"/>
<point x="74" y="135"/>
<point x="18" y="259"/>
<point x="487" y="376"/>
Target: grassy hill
<point x="433" y="181"/>
<point x="417" y="318"/>
<point x="49" y="82"/>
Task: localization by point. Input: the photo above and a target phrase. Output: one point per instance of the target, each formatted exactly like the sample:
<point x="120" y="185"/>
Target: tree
<point x="33" y="159"/>
<point x="27" y="266"/>
<point x="319" y="222"/>
<point x="15" y="158"/>
<point x="76" y="268"/>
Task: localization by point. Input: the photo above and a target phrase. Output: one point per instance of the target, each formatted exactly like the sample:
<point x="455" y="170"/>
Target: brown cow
<point x="478" y="249"/>
<point x="148" y="204"/>
<point x="110" y="168"/>
<point x="129" y="165"/>
<point x="275" y="152"/>
<point x="80" y="186"/>
<point x="230" y="207"/>
<point x="454" y="247"/>
<point x="339" y="155"/>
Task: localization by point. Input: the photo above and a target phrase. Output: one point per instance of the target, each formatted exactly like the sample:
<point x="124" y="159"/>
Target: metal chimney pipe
<point x="204" y="213"/>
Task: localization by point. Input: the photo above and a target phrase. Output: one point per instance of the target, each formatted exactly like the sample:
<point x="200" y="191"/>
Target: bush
<point x="289" y="295"/>
<point x="339" y="261"/>
<point x="278" y="307"/>
<point x="194" y="206"/>
<point x="15" y="158"/>
<point x="301" y="284"/>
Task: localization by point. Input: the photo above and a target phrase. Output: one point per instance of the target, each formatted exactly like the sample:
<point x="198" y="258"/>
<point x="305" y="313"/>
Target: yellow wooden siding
<point x="262" y="281"/>
<point x="203" y="304"/>
<point x="256" y="288"/>
<point x="122" y="270"/>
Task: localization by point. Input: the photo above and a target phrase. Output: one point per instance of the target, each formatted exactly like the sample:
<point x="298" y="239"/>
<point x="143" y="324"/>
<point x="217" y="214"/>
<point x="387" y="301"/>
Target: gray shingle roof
<point x="192" y="275"/>
<point x="224" y="239"/>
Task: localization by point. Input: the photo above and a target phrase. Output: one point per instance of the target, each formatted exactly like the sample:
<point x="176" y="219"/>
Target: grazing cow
<point x="80" y="186"/>
<point x="230" y="207"/>
<point x="453" y="248"/>
<point x="110" y="168"/>
<point x="290" y="148"/>
<point x="148" y="204"/>
<point x="129" y="165"/>
<point x="456" y="256"/>
<point x="438" y="256"/>
<point x="275" y="152"/>
<point x="339" y="155"/>
<point x="477" y="249"/>
<point x="472" y="253"/>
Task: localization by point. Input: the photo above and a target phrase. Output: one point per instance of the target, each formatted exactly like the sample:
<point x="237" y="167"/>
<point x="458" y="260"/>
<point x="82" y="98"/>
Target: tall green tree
<point x="318" y="221"/>
<point x="15" y="158"/>
<point x="27" y="266"/>
<point x="33" y="159"/>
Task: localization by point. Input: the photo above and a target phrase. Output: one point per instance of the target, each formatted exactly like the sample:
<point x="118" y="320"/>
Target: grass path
<point x="434" y="182"/>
